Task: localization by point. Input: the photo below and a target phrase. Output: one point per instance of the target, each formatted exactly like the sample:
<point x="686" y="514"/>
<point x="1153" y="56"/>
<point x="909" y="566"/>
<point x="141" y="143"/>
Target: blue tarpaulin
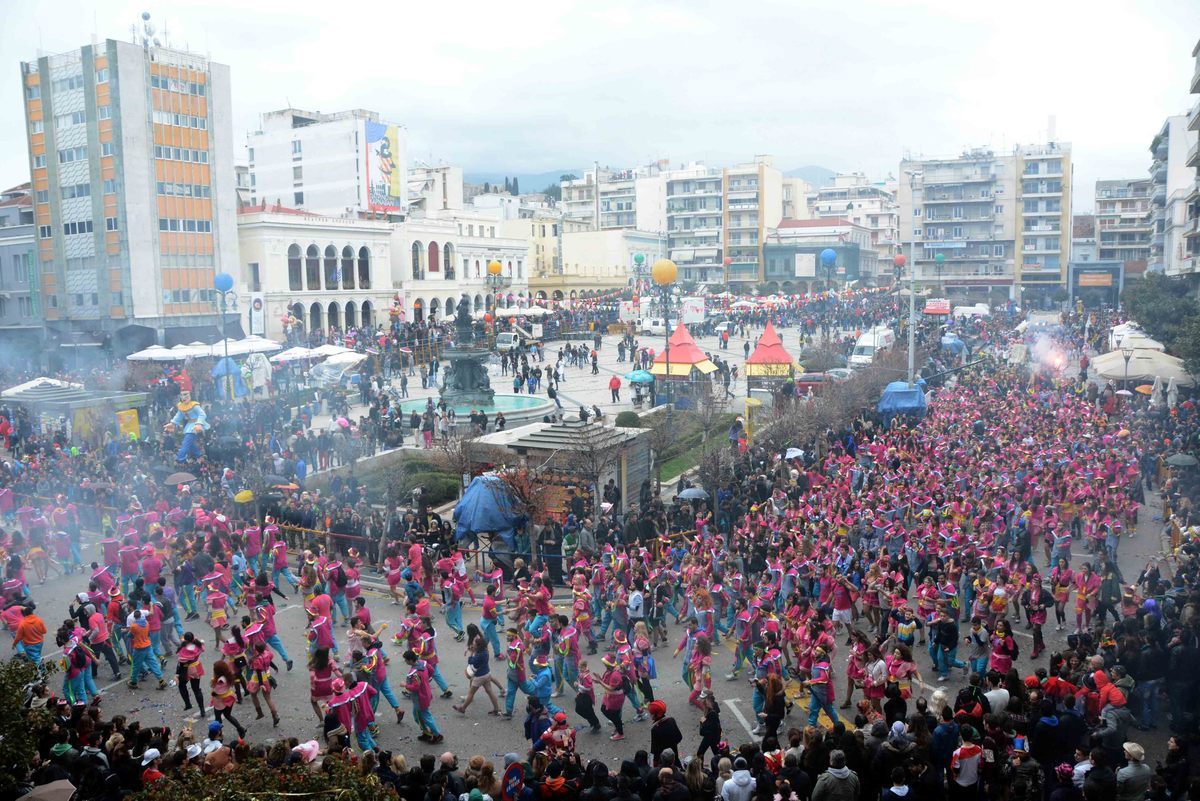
<point x="898" y="398"/>
<point x="952" y="343"/>
<point x="228" y="367"/>
<point x="487" y="506"/>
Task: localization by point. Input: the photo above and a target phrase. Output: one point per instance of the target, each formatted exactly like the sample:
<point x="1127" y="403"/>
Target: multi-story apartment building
<point x="131" y="158"/>
<point x="872" y="205"/>
<point x="1122" y="223"/>
<point x="1190" y="265"/>
<point x="336" y="164"/>
<point x="792" y="255"/>
<point x="1171" y="183"/>
<point x="962" y="208"/>
<point x="752" y="205"/>
<point x="695" y="219"/>
<point x="20" y="309"/>
<point x="1043" y="229"/>
<point x="795" y="199"/>
<point x="628" y="199"/>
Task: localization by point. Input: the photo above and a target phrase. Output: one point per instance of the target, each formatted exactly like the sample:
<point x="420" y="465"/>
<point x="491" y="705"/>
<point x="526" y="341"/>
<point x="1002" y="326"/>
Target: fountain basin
<point x="518" y="409"/>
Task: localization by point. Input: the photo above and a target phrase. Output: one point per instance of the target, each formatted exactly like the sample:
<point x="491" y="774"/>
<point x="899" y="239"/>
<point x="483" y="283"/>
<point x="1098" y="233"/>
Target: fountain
<point x="466" y="385"/>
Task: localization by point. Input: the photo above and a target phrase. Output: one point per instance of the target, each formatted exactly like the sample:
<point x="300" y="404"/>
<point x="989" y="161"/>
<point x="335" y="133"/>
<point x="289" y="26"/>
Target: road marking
<point x="737" y="713"/>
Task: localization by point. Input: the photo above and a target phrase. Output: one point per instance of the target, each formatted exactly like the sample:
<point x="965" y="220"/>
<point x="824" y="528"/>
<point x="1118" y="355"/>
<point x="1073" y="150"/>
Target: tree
<point x="19" y="725"/>
<point x="569" y="176"/>
<point x="516" y="190"/>
<point x="594" y="455"/>
<point x="553" y="191"/>
<point x="1187" y="344"/>
<point x="507" y="185"/>
<point x="1161" y="305"/>
<point x="336" y="780"/>
<point x="487" y="188"/>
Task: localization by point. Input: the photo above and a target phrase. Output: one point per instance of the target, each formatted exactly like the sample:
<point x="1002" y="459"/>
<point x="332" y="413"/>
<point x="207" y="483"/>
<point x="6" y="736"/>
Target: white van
<point x="506" y="341"/>
<point x="870" y="344"/>
<point x="654" y="326"/>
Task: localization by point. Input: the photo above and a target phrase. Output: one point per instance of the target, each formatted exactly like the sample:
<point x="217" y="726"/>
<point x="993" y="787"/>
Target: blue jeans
<point x="188" y="447"/>
<point x="979" y="665"/>
<point x="439" y="680"/>
<point x="277" y="644"/>
<point x="454" y="616"/>
<point x="510" y="699"/>
<point x="284" y="572"/>
<point x="365" y="741"/>
<point x="339" y="605"/>
<point x="945" y="660"/>
<point x="820" y="701"/>
<point x="1148" y="689"/>
<point x="187" y="597"/>
<point x="32" y="652"/>
<point x="535" y="626"/>
<point x="144" y="661"/>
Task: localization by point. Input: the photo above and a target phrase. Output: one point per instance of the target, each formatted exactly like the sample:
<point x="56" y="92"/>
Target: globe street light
<point x="223" y="283"/>
<point x="664" y="272"/>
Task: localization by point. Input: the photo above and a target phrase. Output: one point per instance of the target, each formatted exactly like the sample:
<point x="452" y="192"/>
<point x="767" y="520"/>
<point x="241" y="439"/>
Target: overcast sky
<point x="537" y="85"/>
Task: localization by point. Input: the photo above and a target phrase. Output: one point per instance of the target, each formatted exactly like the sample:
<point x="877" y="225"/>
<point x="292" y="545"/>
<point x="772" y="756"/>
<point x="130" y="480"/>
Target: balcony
<point x="938" y="197"/>
<point x="1193" y="122"/>
<point x="1193" y="156"/>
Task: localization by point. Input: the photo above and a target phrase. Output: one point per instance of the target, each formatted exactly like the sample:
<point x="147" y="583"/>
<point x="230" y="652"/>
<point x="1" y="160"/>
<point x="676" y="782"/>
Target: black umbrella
<point x="693" y="494"/>
<point x="1182" y="460"/>
<point x="179" y="478"/>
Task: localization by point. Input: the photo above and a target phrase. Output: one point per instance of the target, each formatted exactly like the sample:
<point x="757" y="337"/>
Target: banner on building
<point x="384" y="159"/>
<point x="258" y="315"/>
<point x="691" y="310"/>
<point x="806" y="265"/>
<point x="127" y="424"/>
<point x="1095" y="279"/>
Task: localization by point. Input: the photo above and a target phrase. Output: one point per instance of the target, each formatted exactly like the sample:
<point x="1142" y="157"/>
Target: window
<point x="104" y="112"/>
<point x="39" y="161"/>
<point x="33" y="92"/>
<point x="106" y="148"/>
<point x="52" y="301"/>
<point x="956" y="232"/>
<point x="296" y="147"/>
<point x="72" y="154"/>
<point x="997" y="250"/>
<point x="78" y="298"/>
<point x="298" y="198"/>
<point x="67" y="84"/>
<point x="999" y="208"/>
<point x="102" y="75"/>
<point x="44" y="231"/>
<point x="118" y="298"/>
<point x="77" y="227"/>
<point x="110" y="186"/>
<point x="42" y="196"/>
<point x="37" y="127"/>
<point x="25" y="305"/>
<point x="76" y="190"/>
<point x="298" y="173"/>
<point x="255" y="280"/>
<point x="250" y="151"/>
<point x="110" y="223"/>
<point x="95" y="299"/>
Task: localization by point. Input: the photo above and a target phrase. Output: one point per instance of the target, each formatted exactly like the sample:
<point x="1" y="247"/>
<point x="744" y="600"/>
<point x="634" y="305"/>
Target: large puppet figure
<point x="189" y="416"/>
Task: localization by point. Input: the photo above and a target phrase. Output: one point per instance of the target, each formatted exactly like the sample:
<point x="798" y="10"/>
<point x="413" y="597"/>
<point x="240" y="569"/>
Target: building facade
<point x="792" y="252"/>
<point x="962" y="208"/>
<point x="752" y="205"/>
<point x="1190" y="266"/>
<point x="695" y="218"/>
<point x="337" y="164"/>
<point x="1043" y="228"/>
<point x="20" y="306"/>
<point x="131" y="159"/>
<point x="1122" y="222"/>
<point x="628" y="199"/>
<point x="598" y="260"/>
<point x="872" y="205"/>
<point x="1171" y="184"/>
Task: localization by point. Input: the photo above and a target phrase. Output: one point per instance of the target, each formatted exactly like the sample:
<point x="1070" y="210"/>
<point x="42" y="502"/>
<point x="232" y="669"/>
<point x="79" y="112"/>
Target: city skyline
<point x="487" y="89"/>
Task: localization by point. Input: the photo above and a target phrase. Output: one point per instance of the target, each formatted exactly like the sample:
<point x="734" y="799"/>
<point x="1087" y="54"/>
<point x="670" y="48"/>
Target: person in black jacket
<point x="710" y="727"/>
<point x="664" y="731"/>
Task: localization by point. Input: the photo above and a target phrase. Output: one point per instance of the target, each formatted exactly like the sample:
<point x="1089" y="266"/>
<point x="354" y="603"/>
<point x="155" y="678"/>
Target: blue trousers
<point x="189" y="446"/>
<point x="510" y="699"/>
<point x="385" y="689"/>
<point x="32" y="652"/>
<point x="945" y="660"/>
<point x="187" y="597"/>
<point x="284" y="572"/>
<point x="454" y="616"/>
<point x="365" y="741"/>
<point x="818" y="702"/>
<point x="439" y="680"/>
<point x="339" y="605"/>
<point x="534" y="627"/>
<point x="1148" y="690"/>
<point x="493" y="637"/>
<point x="425" y="719"/>
<point x="274" y="642"/>
<point x="144" y="661"/>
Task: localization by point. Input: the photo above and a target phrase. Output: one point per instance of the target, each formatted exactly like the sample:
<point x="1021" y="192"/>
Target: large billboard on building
<point x="384" y="160"/>
<point x="806" y="265"/>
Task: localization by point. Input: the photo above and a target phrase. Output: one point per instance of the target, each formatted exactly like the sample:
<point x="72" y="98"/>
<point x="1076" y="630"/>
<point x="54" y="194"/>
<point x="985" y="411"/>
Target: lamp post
<point x="223" y="283"/>
<point x="829" y="262"/>
<point x="664" y="272"/>
<point x="1128" y="354"/>
<point x="913" y="175"/>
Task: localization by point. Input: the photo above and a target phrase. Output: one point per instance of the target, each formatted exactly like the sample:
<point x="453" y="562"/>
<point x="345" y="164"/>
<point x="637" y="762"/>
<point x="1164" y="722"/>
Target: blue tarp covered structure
<point x="952" y="343"/>
<point x="487" y="506"/>
<point x="228" y="367"/>
<point x="898" y="398"/>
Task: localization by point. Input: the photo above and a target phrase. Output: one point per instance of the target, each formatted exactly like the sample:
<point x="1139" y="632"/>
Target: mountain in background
<point x="815" y="175"/>
<point x="528" y="181"/>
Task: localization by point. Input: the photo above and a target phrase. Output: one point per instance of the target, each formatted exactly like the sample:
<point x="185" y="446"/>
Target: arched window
<point x="331" y="268"/>
<point x="364" y="268"/>
<point x="510" y="272"/>
<point x="314" y="317"/>
<point x="478" y="274"/>
<point x="417" y="255"/>
<point x="520" y="270"/>
<point x="312" y="269"/>
<point x="450" y="310"/>
<point x="351" y="315"/>
<point x="418" y="311"/>
<point x="434" y="257"/>
<point x="335" y="316"/>
<point x="348" y="267"/>
<point x="448" y="260"/>
<point x="367" y="314"/>
<point x="479" y="303"/>
<point x="295" y="273"/>
<point x="435" y="308"/>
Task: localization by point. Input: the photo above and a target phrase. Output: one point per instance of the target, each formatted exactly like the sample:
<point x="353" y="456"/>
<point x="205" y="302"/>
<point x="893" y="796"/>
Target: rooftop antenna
<point x="147" y="32"/>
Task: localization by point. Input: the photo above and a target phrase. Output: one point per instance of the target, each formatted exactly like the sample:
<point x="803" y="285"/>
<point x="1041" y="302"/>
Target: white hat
<point x="194" y="750"/>
<point x="212" y="746"/>
<point x="150" y="755"/>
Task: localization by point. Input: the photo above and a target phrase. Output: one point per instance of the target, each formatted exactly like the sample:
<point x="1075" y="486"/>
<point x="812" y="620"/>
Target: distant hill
<point x="529" y="182"/>
<point x="815" y="175"/>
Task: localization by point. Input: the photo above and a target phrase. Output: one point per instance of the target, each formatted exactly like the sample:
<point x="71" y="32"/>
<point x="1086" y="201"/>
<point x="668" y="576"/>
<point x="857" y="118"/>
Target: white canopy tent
<point x="1144" y="366"/>
<point x="329" y="349"/>
<point x="154" y="353"/>
<point x="258" y="344"/>
<point x="292" y="355"/>
<point x="39" y="382"/>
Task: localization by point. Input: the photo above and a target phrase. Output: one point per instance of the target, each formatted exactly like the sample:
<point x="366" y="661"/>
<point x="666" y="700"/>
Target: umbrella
<point x="1124" y="393"/>
<point x="154" y="353"/>
<point x="693" y="494"/>
<point x="1156" y="393"/>
<point x="640" y="377"/>
<point x="329" y="349"/>
<point x="245" y="496"/>
<point x="1145" y="389"/>
<point x="291" y="355"/>
<point x="60" y="790"/>
<point x="1172" y="393"/>
<point x="179" y="478"/>
<point x="793" y="453"/>
<point x="1182" y="460"/>
<point x="272" y="479"/>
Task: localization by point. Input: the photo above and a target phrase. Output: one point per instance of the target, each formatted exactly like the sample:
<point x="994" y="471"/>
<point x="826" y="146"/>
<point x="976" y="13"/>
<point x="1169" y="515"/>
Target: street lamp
<point x="664" y="273"/>
<point x="829" y="262"/>
<point x="1128" y="354"/>
<point x="223" y="283"/>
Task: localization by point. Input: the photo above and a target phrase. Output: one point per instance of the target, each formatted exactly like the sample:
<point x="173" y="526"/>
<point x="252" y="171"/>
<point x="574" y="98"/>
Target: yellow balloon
<point x="664" y="272"/>
<point x="494" y="267"/>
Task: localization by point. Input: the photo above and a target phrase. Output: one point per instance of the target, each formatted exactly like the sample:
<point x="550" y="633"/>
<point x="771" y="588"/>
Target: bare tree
<point x="596" y="452"/>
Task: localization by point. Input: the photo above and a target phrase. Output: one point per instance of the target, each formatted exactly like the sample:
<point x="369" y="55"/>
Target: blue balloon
<point x="223" y="282"/>
<point x="828" y="257"/>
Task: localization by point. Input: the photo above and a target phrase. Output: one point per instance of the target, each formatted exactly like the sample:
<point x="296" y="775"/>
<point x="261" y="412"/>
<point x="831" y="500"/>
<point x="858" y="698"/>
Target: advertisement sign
<point x="629" y="312"/>
<point x="258" y="314"/>
<point x="691" y="310"/>
<point x="1095" y="279"/>
<point x="806" y="265"/>
<point x="384" y="159"/>
<point x="127" y="424"/>
<point x="937" y="306"/>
